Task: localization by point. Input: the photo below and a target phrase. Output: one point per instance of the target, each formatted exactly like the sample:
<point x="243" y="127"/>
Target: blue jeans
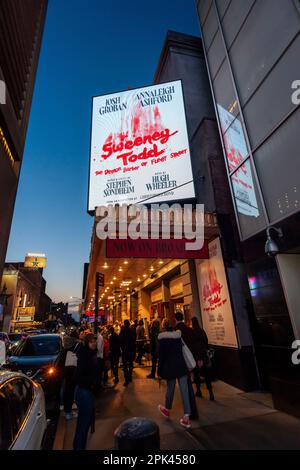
<point x="184" y="390"/>
<point x="85" y="402"/>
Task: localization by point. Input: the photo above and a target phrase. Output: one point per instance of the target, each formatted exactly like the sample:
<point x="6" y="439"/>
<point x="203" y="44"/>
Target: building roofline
<point x="180" y="40"/>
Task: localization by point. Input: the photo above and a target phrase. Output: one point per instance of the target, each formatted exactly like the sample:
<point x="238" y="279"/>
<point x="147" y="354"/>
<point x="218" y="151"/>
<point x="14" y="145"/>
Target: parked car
<point x="22" y="412"/>
<point x="14" y="341"/>
<point x="41" y="357"/>
<point x="4" y="337"/>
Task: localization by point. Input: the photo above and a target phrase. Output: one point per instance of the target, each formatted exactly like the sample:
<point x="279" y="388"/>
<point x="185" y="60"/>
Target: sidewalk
<point x="235" y="420"/>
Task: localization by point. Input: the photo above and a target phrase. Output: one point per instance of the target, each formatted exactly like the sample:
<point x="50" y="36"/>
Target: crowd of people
<point x="91" y="358"/>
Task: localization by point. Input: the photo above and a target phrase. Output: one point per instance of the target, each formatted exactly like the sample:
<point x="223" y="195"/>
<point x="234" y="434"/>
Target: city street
<point x="234" y="421"/>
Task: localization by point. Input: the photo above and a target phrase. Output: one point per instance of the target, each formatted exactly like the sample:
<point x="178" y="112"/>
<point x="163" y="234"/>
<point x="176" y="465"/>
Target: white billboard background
<point x="117" y="180"/>
<point x="214" y="296"/>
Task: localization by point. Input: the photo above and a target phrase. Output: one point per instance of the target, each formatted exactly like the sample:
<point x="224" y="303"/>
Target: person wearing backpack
<point x="172" y="367"/>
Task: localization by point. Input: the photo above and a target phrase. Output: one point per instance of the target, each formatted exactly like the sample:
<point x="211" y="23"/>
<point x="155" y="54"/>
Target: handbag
<point x="71" y="359"/>
<point x="188" y="356"/>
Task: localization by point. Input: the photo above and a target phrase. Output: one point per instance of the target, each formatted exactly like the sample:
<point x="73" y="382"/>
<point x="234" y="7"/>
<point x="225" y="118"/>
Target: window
<point x="254" y="51"/>
<point x="247" y="201"/>
<point x="6" y="434"/>
<point x="15" y="400"/>
<point x="38" y="346"/>
<point x="225" y="96"/>
<point x="272" y="101"/>
<point x="210" y="27"/>
<point x="278" y="168"/>
<point x="234" y="17"/>
<point x="215" y="55"/>
<point x="203" y="8"/>
<point x="222" y="5"/>
<point x="234" y="139"/>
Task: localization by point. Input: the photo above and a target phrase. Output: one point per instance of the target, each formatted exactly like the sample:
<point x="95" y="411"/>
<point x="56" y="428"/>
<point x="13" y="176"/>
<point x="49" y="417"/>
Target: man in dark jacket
<point x="86" y="378"/>
<point x="189" y="339"/>
<point x="127" y="343"/>
<point x="115" y="353"/>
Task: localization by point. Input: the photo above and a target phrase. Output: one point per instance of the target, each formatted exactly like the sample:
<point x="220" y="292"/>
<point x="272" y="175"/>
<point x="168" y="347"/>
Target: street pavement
<point x="235" y="420"/>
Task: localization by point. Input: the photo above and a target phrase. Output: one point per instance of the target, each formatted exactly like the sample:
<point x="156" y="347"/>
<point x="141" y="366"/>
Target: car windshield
<point x="38" y="346"/>
<point x="15" y="336"/>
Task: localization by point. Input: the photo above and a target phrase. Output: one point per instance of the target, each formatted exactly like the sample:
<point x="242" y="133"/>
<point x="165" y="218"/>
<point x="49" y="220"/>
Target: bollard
<point x="137" y="434"/>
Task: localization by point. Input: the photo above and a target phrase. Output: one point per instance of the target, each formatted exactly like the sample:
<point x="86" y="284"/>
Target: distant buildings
<point x="23" y="297"/>
<point x="21" y="30"/>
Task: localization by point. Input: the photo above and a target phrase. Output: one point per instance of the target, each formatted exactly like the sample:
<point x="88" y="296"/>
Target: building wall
<point x="21" y="28"/>
<point x="253" y="50"/>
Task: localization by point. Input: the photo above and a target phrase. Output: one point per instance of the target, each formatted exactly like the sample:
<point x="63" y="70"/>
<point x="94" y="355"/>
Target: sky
<point x="90" y="47"/>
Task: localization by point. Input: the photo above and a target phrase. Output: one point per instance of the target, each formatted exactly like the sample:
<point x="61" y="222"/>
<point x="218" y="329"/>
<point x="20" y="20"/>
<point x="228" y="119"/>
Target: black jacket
<point x="87" y="368"/>
<point x="190" y="339"/>
<point x="154" y="332"/>
<point x="200" y="345"/>
<point x="171" y="363"/>
<point x="127" y="343"/>
<point x="114" y="346"/>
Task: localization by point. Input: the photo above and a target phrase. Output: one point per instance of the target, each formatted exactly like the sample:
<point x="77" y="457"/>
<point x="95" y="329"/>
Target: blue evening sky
<point x="89" y="47"/>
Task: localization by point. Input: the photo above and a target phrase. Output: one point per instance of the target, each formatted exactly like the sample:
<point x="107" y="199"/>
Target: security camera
<point x="271" y="247"/>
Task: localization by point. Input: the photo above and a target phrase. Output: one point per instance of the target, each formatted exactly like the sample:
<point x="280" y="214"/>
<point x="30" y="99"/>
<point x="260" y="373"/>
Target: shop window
<point x="278" y="166"/>
<point x="247" y="200"/>
<point x="254" y="51"/>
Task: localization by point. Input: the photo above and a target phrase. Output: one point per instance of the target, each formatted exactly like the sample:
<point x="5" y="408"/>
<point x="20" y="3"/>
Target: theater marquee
<point x="139" y="147"/>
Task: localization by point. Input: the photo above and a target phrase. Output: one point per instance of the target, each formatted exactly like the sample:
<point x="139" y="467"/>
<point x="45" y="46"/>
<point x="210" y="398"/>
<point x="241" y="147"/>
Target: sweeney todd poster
<point x="139" y="147"/>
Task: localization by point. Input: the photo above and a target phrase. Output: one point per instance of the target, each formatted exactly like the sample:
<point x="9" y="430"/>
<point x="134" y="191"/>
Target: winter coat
<point x="200" y="345"/>
<point x="190" y="339"/>
<point x="127" y="342"/>
<point x="171" y="363"/>
<point x="87" y="368"/>
<point x="114" y="345"/>
<point x="154" y="332"/>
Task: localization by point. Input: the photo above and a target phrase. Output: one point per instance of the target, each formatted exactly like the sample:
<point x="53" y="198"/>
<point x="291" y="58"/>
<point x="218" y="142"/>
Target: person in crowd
<point x="128" y="349"/>
<point x="115" y="353"/>
<point x="172" y="367"/>
<point x="106" y="359"/>
<point x="100" y="357"/>
<point x="203" y="367"/>
<point x="70" y="345"/>
<point x="134" y="325"/>
<point x="140" y="339"/>
<point x="188" y="337"/>
<point x="86" y="378"/>
<point x="154" y="332"/>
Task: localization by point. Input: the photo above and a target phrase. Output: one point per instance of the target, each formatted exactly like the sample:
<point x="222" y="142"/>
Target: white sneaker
<point x="61" y="408"/>
<point x="74" y="406"/>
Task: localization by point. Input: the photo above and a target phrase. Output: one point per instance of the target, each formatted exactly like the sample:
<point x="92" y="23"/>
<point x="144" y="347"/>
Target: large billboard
<point x="139" y="147"/>
<point x="215" y="302"/>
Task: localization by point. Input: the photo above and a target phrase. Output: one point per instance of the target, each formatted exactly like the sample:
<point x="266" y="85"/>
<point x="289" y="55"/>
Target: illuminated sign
<point x="35" y="260"/>
<point x="139" y="147"/>
<point x="25" y="314"/>
<point x="215" y="301"/>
